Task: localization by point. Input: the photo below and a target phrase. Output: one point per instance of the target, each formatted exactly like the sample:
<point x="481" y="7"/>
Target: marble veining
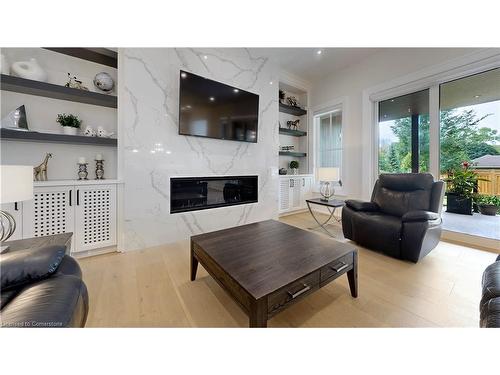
<point x="154" y="151"/>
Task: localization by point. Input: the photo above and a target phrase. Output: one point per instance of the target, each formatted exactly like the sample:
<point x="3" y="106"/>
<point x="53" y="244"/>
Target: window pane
<point x="404" y="128"/>
<point x="470" y="127"/>
<point x="330" y="140"/>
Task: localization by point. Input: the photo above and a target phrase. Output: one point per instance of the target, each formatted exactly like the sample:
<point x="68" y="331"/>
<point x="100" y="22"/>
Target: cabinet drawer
<point x="337" y="267"/>
<point x="292" y="292"/>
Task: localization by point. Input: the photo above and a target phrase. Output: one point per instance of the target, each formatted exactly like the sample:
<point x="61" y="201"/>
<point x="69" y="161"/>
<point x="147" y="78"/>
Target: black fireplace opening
<point x="199" y="193"/>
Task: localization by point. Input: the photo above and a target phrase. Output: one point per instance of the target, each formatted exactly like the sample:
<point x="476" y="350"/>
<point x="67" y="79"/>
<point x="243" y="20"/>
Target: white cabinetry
<point x="293" y="192"/>
<point x="49" y="212"/>
<point x="87" y="210"/>
<point x="95" y="217"/>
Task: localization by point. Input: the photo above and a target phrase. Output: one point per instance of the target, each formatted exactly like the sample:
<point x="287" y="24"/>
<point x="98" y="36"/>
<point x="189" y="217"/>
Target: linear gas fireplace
<point x="199" y="193"/>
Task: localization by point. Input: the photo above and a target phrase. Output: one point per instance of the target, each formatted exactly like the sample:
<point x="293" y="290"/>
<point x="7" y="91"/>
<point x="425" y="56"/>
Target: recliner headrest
<point x="406" y="181"/>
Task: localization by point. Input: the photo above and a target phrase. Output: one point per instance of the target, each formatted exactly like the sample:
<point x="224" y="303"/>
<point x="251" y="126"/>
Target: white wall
<point x="42" y="113"/>
<point x="350" y="83"/>
<point x="148" y="116"/>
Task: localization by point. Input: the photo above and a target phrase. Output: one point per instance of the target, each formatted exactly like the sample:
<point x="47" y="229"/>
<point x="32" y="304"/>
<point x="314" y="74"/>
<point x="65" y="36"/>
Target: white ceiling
<point x="307" y="64"/>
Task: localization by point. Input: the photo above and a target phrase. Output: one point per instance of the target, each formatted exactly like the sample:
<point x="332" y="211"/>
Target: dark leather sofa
<point x="42" y="287"/>
<point x="489" y="306"/>
<point x="402" y="219"/>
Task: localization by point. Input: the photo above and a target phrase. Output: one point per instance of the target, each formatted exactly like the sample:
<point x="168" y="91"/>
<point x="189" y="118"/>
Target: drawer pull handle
<point x="302" y="291"/>
<point x="342" y="267"/>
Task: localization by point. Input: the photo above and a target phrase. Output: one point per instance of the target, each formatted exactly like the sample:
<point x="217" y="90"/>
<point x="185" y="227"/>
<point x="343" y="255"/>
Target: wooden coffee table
<point x="267" y="266"/>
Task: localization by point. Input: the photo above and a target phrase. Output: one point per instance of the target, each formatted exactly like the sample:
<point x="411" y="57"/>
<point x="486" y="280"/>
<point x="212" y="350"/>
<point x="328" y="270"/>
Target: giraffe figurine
<point x="40" y="172"/>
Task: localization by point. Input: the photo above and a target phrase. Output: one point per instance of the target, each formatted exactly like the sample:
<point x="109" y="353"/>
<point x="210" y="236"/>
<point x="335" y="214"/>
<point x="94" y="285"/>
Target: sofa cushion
<point x="377" y="231"/>
<point x="25" y="266"/>
<point x="69" y="267"/>
<point x="491" y="283"/>
<point x="59" y="301"/>
<point x="490" y="314"/>
<point x="399" y="193"/>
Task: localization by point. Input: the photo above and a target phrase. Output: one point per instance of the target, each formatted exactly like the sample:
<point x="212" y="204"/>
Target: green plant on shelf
<point x="71" y="121"/>
<point x="294" y="164"/>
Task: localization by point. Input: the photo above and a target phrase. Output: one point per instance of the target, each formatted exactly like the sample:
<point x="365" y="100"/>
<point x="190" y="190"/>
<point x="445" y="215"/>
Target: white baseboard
<point x="477" y="242"/>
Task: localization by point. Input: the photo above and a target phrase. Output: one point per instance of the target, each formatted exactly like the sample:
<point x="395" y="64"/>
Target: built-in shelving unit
<point x="29" y="136"/>
<point x="49" y="90"/>
<point x="293" y="133"/>
<point x="291" y="153"/>
<point x="291" y="110"/>
<point x="102" y="56"/>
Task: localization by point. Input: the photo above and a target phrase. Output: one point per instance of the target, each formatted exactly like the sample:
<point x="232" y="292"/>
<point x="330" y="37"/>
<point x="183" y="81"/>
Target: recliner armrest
<point x="419" y="216"/>
<point x="357" y="205"/>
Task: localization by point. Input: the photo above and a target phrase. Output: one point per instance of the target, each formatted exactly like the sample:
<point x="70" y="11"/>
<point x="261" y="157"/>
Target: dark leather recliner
<point x="489" y="306"/>
<point x="42" y="287"/>
<point x="403" y="218"/>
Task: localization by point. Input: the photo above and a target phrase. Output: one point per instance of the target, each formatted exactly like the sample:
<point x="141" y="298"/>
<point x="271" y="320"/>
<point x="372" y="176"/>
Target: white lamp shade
<point x="328" y="174"/>
<point x="16" y="183"/>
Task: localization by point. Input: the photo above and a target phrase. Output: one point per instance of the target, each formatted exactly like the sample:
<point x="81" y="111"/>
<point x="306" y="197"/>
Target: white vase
<point x="68" y="130"/>
<point x="4" y="64"/>
<point x="29" y="70"/>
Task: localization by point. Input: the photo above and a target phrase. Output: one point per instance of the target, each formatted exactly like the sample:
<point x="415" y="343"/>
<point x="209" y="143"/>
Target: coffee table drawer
<point x="337" y="267"/>
<point x="292" y="292"/>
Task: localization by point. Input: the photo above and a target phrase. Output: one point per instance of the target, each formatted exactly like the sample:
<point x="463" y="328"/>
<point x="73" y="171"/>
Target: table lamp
<point x="325" y="176"/>
<point x="16" y="184"/>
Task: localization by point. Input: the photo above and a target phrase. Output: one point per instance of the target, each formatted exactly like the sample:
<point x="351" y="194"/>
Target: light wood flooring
<point x="151" y="288"/>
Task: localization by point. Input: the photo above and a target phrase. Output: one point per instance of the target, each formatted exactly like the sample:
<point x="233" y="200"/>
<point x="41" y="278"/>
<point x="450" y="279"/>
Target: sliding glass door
<point x="403" y="125"/>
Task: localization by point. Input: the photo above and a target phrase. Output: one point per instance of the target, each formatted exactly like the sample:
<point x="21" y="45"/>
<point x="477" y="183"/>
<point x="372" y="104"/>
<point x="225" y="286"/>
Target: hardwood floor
<point x="151" y="288"/>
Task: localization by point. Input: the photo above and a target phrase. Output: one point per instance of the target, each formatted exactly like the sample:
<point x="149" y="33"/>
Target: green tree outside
<point x="462" y="139"/>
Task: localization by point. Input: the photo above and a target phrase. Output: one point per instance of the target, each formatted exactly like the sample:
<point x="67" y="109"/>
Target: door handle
<point x="303" y="182"/>
<point x="70" y="198"/>
<point x="298" y="293"/>
<point x="78" y="197"/>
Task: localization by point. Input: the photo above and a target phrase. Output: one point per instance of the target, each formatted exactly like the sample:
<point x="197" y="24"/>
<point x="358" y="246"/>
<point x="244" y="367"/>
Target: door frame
<point x="428" y="78"/>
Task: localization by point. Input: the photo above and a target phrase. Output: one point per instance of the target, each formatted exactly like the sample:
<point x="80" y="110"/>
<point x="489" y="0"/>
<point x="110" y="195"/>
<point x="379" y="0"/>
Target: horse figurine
<point x="40" y="172"/>
<point x="294" y="125"/>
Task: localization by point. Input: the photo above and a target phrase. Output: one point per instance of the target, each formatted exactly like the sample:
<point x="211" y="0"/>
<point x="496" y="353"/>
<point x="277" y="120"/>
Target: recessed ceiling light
<point x="212" y="98"/>
<point x="135" y="150"/>
<point x="270" y="82"/>
<point x="205" y="57"/>
<point x="477" y="96"/>
<point x="152" y="151"/>
<point x="183" y="75"/>
<point x="319" y="52"/>
<point x="392" y="100"/>
<point x="168" y="152"/>
<point x="236" y="90"/>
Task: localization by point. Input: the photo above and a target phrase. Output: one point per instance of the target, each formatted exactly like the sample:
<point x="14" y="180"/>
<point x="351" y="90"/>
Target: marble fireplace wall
<point x="152" y="151"/>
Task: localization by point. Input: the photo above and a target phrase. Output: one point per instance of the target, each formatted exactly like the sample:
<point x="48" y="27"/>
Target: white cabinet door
<point x="296" y="193"/>
<point x="307" y="183"/>
<point x="284" y="195"/>
<point x="95" y="216"/>
<point x="49" y="212"/>
<point x="16" y="210"/>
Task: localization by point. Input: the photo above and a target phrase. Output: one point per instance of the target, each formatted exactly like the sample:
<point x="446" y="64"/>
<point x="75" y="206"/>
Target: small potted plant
<point x="294" y="166"/>
<point x="488" y="204"/>
<point x="69" y="123"/>
<point x="461" y="189"/>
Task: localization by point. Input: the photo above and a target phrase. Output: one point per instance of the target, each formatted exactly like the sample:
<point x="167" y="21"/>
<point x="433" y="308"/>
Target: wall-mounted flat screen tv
<point x="214" y="110"/>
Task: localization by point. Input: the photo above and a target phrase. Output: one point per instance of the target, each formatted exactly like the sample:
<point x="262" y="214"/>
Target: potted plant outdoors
<point x="70" y="123"/>
<point x="461" y="189"/>
<point x="294" y="166"/>
<point x="488" y="204"/>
